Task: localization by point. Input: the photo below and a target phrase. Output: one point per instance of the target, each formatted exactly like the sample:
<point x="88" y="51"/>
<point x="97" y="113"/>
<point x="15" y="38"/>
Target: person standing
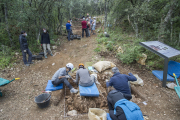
<point x="88" y="28"/>
<point x="24" y="48"/>
<point x="84" y="27"/>
<point x="93" y="25"/>
<point x="68" y="28"/>
<point x="45" y="42"/>
<point x="90" y="20"/>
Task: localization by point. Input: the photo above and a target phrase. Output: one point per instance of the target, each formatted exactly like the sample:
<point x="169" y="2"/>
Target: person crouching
<point x="61" y="76"/>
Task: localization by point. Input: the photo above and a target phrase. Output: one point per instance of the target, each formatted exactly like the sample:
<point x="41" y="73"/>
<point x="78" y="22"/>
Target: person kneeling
<point x="85" y="78"/>
<point x="61" y="76"/>
<point x="122" y="109"/>
<point x="121" y="82"/>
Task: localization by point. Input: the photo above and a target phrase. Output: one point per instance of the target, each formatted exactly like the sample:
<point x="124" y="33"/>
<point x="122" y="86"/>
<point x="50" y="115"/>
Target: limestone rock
<point x="142" y="59"/>
<point x="72" y="113"/>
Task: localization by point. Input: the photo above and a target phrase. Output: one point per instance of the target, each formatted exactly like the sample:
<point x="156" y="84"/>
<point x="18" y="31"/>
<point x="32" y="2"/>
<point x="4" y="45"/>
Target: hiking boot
<point x="30" y="62"/>
<point x="51" y="54"/>
<point x="27" y="64"/>
<point x="73" y="90"/>
<point x="45" y="56"/>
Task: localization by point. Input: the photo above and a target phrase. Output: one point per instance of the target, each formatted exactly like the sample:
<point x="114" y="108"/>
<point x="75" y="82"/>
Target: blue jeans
<point x="62" y="80"/>
<point x="69" y="33"/>
<point x="29" y="56"/>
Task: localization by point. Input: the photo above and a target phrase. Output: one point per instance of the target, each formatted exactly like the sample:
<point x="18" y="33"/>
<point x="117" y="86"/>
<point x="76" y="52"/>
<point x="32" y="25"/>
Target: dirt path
<point x="18" y="97"/>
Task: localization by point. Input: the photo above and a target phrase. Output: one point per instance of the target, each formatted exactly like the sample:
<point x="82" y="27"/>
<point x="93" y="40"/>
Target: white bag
<point x="103" y="65"/>
<point x="96" y="114"/>
<point x="138" y="82"/>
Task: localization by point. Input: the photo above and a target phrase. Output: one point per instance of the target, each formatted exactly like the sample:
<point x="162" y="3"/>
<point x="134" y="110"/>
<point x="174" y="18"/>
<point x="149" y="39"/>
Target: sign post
<point x="163" y="51"/>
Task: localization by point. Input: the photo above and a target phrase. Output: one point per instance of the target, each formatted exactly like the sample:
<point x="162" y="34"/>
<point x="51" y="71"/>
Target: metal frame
<point x="166" y="60"/>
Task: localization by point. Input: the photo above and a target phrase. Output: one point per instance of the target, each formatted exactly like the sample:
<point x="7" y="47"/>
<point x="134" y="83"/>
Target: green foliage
<point x="98" y="49"/>
<point x="102" y="40"/>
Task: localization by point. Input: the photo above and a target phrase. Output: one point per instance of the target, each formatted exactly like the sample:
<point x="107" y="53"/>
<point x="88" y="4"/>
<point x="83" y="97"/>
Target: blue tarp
<point x="91" y="91"/>
<point x="50" y="86"/>
<point x="174" y="67"/>
<point x="108" y="117"/>
<point x="159" y="75"/>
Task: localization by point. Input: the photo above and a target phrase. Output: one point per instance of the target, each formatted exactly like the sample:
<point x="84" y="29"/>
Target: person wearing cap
<point x="68" y="28"/>
<point x="24" y="48"/>
<point x="85" y="78"/>
<point x="84" y="27"/>
<point x="93" y="25"/>
<point x="122" y="109"/>
<point x="45" y="42"/>
<point x="121" y="82"/>
<point x="61" y="76"/>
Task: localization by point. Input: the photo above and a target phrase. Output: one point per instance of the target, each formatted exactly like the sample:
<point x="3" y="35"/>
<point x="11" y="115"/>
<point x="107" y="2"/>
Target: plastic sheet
<point x="159" y="75"/>
<point x="174" y="67"/>
<point x="91" y="91"/>
<point x="50" y="86"/>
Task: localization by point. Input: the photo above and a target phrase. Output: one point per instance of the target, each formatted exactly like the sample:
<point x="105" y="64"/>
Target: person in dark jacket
<point x="120" y="82"/>
<point x="45" y="42"/>
<point x="122" y="109"/>
<point x="24" y="48"/>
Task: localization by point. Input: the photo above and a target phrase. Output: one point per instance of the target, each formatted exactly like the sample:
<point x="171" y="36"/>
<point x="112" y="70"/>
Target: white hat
<point x="89" y="17"/>
<point x="94" y="17"/>
<point x="70" y="65"/>
<point x="83" y="18"/>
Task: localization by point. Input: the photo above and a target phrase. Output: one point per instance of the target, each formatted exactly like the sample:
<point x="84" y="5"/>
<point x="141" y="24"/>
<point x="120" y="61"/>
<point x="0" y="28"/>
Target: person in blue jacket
<point x="68" y="28"/>
<point x="120" y="82"/>
<point x="122" y="109"/>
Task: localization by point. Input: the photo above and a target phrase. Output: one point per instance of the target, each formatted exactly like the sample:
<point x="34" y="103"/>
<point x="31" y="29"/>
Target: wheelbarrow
<point x="4" y="82"/>
<point x="177" y="88"/>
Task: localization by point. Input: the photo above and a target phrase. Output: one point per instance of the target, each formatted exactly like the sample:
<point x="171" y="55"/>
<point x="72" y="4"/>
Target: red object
<point x="41" y="44"/>
<point x="84" y="23"/>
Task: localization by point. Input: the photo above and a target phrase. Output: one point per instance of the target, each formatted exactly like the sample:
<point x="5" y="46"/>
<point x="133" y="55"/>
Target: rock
<point x="120" y="50"/>
<point x="142" y="59"/>
<point x="54" y="47"/>
<point x="84" y="45"/>
<point x="16" y="53"/>
<point x="72" y="113"/>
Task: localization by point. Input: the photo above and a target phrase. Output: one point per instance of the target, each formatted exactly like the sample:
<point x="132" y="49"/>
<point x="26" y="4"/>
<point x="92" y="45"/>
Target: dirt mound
<point x="81" y="103"/>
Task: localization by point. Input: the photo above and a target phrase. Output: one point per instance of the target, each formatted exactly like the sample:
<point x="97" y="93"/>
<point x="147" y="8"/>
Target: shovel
<point x="177" y="89"/>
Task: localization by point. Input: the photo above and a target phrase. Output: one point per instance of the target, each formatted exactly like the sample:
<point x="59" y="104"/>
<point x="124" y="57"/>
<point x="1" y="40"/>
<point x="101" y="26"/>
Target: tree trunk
<point x="105" y="15"/>
<point x="171" y="30"/>
<point x="7" y="25"/>
<point x="166" y="20"/>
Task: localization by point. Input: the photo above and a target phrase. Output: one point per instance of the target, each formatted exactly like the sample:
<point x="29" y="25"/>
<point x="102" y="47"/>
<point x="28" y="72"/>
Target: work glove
<point x="129" y="74"/>
<point x="107" y="80"/>
<point x="74" y="80"/>
<point x="67" y="76"/>
<point x="25" y="51"/>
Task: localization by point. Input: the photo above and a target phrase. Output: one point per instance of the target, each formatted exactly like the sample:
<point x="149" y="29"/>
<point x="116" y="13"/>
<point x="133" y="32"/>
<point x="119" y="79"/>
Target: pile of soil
<point x="81" y="103"/>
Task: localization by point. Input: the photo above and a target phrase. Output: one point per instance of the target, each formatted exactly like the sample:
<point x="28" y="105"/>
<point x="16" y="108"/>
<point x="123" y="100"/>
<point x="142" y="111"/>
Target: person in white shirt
<point x="93" y="25"/>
